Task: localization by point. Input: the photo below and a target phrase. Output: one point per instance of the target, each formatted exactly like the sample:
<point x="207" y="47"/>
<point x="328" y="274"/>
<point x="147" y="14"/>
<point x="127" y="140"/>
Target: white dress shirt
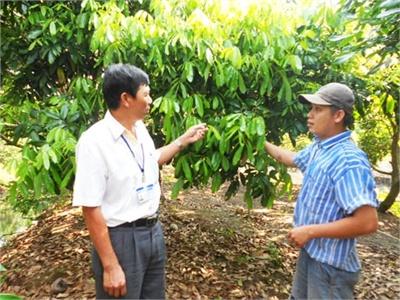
<point x="109" y="175"/>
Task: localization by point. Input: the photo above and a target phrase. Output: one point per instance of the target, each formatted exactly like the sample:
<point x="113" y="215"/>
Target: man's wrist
<point x="179" y="143"/>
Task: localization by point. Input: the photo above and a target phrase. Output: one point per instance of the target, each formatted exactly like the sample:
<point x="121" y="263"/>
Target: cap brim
<point x="314" y="99"/>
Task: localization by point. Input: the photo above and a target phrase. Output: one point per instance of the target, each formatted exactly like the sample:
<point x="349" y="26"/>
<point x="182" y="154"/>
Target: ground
<point x="216" y="249"/>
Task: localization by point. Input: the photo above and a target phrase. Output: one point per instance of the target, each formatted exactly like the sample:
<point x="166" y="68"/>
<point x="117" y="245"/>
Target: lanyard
<point x="134" y="157"/>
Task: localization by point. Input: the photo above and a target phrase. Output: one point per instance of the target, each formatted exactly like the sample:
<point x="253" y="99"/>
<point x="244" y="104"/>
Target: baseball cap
<point x="334" y="93"/>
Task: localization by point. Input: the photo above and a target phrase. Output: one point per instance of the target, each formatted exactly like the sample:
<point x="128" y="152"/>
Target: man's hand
<point x="300" y="236"/>
<point x="193" y="134"/>
<point x="364" y="220"/>
<point x="114" y="281"/>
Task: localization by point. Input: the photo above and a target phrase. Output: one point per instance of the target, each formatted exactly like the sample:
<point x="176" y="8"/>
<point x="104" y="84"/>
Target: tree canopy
<point x="236" y="66"/>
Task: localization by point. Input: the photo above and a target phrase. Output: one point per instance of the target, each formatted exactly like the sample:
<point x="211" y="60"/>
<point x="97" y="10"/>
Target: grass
<point x="395" y="209"/>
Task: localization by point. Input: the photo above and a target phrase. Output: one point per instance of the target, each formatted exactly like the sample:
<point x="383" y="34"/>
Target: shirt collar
<point x="325" y="144"/>
<point x="115" y="127"/>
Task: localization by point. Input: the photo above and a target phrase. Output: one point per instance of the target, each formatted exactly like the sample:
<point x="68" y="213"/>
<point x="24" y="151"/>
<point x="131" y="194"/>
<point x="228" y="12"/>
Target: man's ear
<point x="124" y="98"/>
<point x="339" y="116"/>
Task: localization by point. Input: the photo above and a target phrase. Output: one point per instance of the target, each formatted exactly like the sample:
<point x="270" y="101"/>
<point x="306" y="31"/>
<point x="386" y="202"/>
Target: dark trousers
<point x="141" y="254"/>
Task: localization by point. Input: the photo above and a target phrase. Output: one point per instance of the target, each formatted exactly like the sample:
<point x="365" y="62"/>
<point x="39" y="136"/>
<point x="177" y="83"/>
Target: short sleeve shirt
<point x="109" y="173"/>
<point x="337" y="180"/>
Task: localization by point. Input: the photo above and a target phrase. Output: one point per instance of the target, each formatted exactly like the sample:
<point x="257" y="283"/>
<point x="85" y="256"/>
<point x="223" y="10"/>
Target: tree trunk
<point x="395" y="180"/>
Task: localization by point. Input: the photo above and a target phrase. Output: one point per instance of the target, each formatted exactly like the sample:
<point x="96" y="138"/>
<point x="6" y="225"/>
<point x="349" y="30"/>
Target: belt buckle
<point x="150" y="222"/>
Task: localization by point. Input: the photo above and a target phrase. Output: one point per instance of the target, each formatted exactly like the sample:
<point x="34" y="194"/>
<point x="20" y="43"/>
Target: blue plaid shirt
<point x="337" y="181"/>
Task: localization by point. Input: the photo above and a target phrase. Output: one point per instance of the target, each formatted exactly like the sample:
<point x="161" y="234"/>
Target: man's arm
<point x="363" y="221"/>
<point x="114" y="277"/>
<point x="282" y="155"/>
<point x="193" y="134"/>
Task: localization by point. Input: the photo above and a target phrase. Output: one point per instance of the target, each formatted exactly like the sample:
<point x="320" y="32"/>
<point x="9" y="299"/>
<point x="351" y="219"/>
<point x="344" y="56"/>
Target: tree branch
<point x="380" y="171"/>
<point x="9" y="142"/>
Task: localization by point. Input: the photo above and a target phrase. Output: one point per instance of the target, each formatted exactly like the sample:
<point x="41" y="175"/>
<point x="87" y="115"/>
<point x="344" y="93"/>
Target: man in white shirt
<point x="117" y="186"/>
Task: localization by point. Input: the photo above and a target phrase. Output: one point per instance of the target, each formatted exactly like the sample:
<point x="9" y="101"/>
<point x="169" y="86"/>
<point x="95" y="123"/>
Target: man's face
<point x="322" y="121"/>
<point x="141" y="102"/>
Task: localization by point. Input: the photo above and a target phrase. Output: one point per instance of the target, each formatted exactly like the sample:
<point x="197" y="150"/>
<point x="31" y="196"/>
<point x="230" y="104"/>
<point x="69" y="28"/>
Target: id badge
<point x="145" y="193"/>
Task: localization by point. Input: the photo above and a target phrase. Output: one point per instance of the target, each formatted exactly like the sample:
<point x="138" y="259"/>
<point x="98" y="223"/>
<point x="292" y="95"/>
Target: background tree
<point x="235" y="65"/>
<point x="376" y="35"/>
<point x="379" y="129"/>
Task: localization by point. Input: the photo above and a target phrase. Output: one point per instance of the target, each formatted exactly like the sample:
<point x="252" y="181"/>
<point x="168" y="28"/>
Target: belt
<point x="144" y="222"/>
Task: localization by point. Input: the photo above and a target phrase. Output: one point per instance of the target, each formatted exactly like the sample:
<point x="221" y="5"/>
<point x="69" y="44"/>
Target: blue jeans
<point x="141" y="254"/>
<point x="316" y="280"/>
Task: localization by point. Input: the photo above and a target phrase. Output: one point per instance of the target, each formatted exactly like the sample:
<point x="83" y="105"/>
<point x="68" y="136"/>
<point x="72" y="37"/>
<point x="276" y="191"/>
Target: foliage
<point x="376" y="130"/>
<point x="375" y="27"/>
<point x="236" y="66"/>
<point x="395" y="209"/>
<point x="48" y="96"/>
<point x="377" y="37"/>
<point x="9" y="297"/>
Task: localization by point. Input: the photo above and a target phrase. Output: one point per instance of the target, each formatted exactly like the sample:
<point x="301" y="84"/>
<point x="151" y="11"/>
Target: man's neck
<point x="124" y="119"/>
<point x="333" y="133"/>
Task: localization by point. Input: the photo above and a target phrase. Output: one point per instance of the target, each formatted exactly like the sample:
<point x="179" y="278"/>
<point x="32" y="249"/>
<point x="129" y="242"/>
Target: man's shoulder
<point x="347" y="156"/>
<point x="349" y="151"/>
<point x="95" y="132"/>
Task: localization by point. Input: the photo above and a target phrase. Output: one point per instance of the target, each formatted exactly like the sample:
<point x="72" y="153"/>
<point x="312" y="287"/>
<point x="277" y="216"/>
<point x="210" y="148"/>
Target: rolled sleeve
<point x="356" y="188"/>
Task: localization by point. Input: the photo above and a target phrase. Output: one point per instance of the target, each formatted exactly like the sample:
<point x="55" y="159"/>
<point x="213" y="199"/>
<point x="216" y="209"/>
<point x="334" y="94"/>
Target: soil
<point x="217" y="249"/>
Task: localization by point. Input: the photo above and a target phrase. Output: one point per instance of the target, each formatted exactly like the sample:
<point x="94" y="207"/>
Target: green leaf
<point x="214" y="131"/>
<point x="237" y="156"/>
<point x="388" y="13"/>
<point x="389" y="3"/>
<point x="51" y="57"/>
<point x="248" y="198"/>
<point x="215" y="103"/>
<point x="236" y="57"/>
<point x="34" y="34"/>
<point x="53" y="155"/>
<point x="67" y="178"/>
<point x="176" y="188"/>
<point x="85" y="85"/>
<point x="53" y="29"/>
<point x="199" y="105"/>
<point x="186" y="169"/>
<point x="46" y="160"/>
<point x="189" y="71"/>
<point x="209" y="56"/>
<point x="215" y="161"/>
<point x="342" y="59"/>
<point x="216" y="182"/>
<point x="295" y="62"/>
<point x="390" y="104"/>
<point x="242" y="86"/>
<point x="37" y="185"/>
<point x="225" y="164"/>
<point x="260" y="126"/>
<point x="223" y="144"/>
<point x="110" y="35"/>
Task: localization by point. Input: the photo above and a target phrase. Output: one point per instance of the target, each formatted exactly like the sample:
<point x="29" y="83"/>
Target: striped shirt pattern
<point x="337" y="180"/>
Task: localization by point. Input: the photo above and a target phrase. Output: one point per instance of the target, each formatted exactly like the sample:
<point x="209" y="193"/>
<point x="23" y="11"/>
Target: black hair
<point x="120" y="78"/>
<point x="348" y="120"/>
